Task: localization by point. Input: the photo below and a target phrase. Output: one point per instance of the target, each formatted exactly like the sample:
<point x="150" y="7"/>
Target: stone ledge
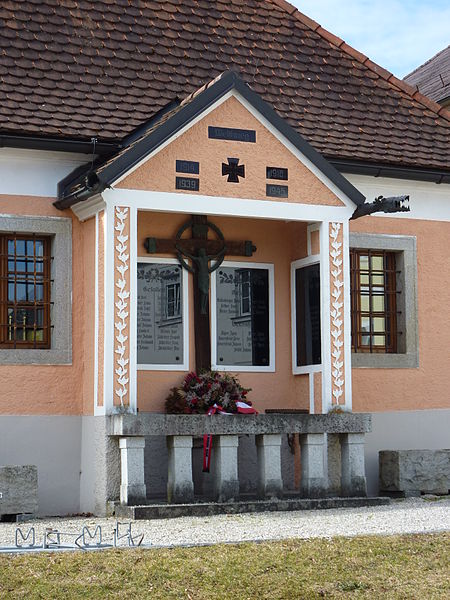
<point x="206" y="509"/>
<point x="156" y="424"/>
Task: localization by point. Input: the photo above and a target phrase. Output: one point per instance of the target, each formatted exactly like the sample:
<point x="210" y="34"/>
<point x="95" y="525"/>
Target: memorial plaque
<point x="242" y="307"/>
<point x="159" y="314"/>
<point x="187" y="166"/>
<point x="307" y="304"/>
<point x="276" y="191"/>
<point x="277" y="173"/>
<point x="187" y="183"/>
<point x="233" y="135"/>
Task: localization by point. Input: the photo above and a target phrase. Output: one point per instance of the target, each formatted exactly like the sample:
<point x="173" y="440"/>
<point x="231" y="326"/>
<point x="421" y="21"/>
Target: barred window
<point x="374" y="304"/>
<point x="25" y="271"/>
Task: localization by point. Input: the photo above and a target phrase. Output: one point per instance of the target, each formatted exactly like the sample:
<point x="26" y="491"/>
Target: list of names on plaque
<point x="242" y="308"/>
<point x="159" y="314"/>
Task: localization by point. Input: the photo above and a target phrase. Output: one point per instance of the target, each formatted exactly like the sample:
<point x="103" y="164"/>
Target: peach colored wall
<point x="315" y="242"/>
<point x="158" y="173"/>
<point x="426" y="387"/>
<point x="101" y="305"/>
<point x="317" y="392"/>
<point x="88" y="244"/>
<point x="276" y="242"/>
<point x="50" y="389"/>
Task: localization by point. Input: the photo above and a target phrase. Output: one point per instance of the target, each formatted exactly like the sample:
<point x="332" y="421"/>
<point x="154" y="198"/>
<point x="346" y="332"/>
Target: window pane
<point x="378" y="340"/>
<point x="364" y="279"/>
<point x="365" y="300"/>
<point x="364" y="262"/>
<point x="378" y="303"/>
<point x="30" y="292"/>
<point x="378" y="280"/>
<point x="39" y="292"/>
<point x="21" y="292"/>
<point x="30" y="247"/>
<point x="378" y="324"/>
<point x="20" y="247"/>
<point x="377" y="263"/>
<point x="307" y="302"/>
<point x="39" y="248"/>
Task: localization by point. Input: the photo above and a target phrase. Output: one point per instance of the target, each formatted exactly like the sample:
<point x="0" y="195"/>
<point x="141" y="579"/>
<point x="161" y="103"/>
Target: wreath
<point x="203" y="392"/>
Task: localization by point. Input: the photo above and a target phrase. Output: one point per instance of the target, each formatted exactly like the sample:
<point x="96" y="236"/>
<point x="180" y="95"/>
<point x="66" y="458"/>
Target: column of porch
<point x="180" y="484"/>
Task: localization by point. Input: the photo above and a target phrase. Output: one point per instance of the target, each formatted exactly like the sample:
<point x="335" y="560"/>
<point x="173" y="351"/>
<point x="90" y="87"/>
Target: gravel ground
<point x="413" y="515"/>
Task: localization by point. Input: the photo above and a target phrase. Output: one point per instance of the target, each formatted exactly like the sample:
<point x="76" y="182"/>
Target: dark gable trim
<point x="57" y="144"/>
<point x="193" y="108"/>
<point x="380" y="170"/>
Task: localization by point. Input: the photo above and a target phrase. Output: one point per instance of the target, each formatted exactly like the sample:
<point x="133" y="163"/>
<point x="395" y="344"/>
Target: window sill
<point x="31" y="356"/>
<point x="384" y="361"/>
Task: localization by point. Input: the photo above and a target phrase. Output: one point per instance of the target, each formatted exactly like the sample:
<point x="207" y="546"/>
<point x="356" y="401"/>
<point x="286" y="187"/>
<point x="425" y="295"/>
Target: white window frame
<point x="183" y="366"/>
<point x="299" y="264"/>
<point x="270" y="368"/>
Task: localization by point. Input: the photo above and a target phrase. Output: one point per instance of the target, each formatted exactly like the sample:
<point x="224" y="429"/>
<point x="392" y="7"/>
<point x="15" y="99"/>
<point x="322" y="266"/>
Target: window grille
<point x="25" y="281"/>
<point x="373" y="299"/>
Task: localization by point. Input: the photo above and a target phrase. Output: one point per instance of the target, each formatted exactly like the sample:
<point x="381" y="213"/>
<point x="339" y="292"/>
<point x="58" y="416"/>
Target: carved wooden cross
<point x="198" y="245"/>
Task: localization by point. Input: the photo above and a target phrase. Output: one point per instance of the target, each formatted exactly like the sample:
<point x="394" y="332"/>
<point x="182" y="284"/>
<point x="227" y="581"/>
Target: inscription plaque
<point x="187" y="166"/>
<point x="159" y="314"/>
<point x="234" y="135"/>
<point x="242" y="304"/>
<point x="187" y="183"/>
<point x="277" y="173"/>
<point x="276" y="191"/>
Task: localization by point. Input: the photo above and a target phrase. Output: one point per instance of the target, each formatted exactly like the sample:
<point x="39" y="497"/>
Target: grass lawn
<point x="412" y="566"/>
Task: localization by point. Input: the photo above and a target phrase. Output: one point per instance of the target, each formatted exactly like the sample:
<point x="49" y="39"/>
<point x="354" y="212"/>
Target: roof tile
<point x="81" y="68"/>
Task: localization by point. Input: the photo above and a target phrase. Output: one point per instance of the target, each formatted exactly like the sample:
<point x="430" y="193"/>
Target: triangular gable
<point x="226" y="120"/>
<point x="193" y="163"/>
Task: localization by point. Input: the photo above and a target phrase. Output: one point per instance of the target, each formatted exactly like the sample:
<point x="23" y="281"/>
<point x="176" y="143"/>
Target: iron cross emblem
<point x="233" y="170"/>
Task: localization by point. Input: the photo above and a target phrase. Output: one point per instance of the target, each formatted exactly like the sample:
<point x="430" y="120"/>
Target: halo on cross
<point x="216" y="258"/>
<point x="202" y="259"/>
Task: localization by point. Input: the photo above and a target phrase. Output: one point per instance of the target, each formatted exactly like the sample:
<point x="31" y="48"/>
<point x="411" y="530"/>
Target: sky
<point x="399" y="35"/>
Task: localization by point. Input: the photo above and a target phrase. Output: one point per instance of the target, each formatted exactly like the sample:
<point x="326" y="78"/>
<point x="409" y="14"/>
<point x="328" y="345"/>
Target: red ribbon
<point x="242" y="408"/>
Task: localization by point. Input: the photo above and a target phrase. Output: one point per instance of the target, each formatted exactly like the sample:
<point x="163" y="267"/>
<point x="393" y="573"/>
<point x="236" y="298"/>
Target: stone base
<point x="167" y="511"/>
<point x="412" y="472"/>
<point x="18" y="490"/>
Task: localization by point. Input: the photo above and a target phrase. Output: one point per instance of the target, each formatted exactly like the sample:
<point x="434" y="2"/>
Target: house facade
<point x="127" y="156"/>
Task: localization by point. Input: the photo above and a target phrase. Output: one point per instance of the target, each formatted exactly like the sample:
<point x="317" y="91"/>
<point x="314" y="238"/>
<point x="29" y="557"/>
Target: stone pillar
<point x="225" y="467"/>
<point x="180" y="485"/>
<point x="132" y="487"/>
<point x="270" y="482"/>
<point x="313" y="483"/>
<point x="353" y="469"/>
<point x="334" y="464"/>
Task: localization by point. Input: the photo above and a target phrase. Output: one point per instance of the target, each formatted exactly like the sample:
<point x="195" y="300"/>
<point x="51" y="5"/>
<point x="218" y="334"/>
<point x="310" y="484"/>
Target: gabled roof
<point x="94" y="180"/>
<point x="78" y="69"/>
<point x="433" y="77"/>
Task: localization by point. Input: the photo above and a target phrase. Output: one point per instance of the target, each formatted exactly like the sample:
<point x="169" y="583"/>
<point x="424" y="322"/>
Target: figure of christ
<point x="203" y="270"/>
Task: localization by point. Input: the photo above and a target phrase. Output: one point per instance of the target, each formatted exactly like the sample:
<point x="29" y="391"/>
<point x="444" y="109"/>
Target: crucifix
<point x="206" y="255"/>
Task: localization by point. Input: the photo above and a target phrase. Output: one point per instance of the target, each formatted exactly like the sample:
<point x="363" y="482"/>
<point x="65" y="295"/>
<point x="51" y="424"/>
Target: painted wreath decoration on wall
<point x="209" y="392"/>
